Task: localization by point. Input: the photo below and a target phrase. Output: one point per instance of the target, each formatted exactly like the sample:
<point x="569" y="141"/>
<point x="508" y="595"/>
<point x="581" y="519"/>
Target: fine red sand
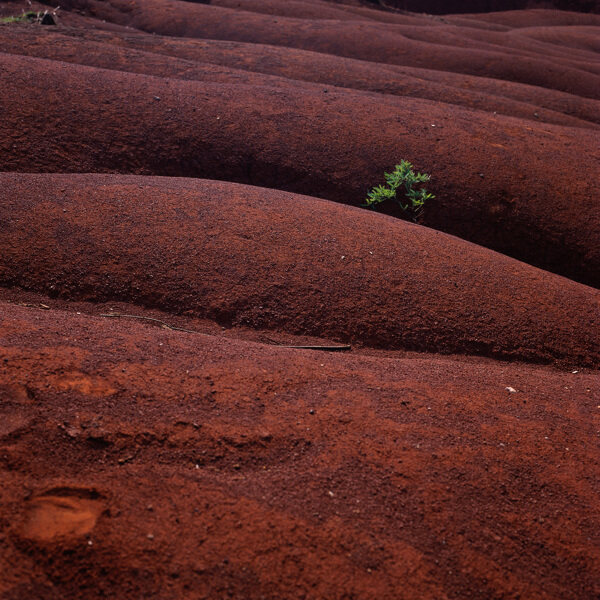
<point x="273" y="260"/>
<point x="490" y="188"/>
<point x="139" y="462"/>
<point x="229" y="62"/>
<point x="393" y="43"/>
<point x="183" y="255"/>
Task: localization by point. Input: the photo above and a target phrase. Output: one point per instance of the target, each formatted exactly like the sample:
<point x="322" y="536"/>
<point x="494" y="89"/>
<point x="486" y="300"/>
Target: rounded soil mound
<point x="391" y="43"/>
<point x="273" y="260"/>
<point x="443" y="7"/>
<point x="336" y="145"/>
<point x="243" y="63"/>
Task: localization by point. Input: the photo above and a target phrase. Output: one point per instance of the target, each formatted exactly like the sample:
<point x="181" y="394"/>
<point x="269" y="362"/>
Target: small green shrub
<point x="26" y="17"/>
<point x="45" y="17"/>
<point x="402" y="176"/>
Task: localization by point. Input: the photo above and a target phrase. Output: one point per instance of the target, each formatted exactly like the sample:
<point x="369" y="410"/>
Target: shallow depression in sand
<point x="61" y="513"/>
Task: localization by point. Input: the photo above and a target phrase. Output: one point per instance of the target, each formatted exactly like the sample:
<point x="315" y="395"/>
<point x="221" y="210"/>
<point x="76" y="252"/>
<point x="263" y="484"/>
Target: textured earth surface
<point x="222" y="377"/>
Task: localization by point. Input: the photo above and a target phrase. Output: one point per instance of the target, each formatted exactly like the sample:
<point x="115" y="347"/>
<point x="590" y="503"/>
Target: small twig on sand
<point x="324" y="348"/>
<point x="165" y="325"/>
<point x="172" y="327"/>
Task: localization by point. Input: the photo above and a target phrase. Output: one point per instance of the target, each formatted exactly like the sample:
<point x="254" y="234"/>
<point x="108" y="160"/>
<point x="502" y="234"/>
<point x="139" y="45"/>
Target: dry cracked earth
<point x="222" y="377"/>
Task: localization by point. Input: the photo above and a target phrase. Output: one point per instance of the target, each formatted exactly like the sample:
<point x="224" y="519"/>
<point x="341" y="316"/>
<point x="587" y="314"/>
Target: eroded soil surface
<point x="222" y="377"/>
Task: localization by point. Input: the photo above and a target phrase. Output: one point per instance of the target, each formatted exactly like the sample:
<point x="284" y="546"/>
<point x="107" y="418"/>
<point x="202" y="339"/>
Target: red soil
<point x="533" y="18"/>
<point x="188" y="447"/>
<point x="203" y="60"/>
<point x="535" y="207"/>
<point x="140" y="462"/>
<point x="389" y="43"/>
<point x="462" y="6"/>
<point x="287" y="263"/>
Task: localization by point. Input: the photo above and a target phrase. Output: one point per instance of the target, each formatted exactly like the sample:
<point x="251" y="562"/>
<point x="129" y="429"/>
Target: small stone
<point x="48" y="19"/>
<point x="510" y="390"/>
<point x="150" y="536"/>
<point x="311" y="411"/>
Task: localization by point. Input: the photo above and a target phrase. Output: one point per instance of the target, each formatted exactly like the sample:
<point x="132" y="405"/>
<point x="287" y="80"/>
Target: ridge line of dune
<point x="272" y="260"/>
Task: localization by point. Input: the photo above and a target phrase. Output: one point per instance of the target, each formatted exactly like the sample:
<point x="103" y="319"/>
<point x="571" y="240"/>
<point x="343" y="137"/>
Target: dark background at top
<point x="467" y="6"/>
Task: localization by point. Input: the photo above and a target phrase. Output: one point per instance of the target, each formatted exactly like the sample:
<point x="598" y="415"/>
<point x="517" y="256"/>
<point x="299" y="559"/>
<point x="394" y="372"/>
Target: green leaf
<point x="403" y="175"/>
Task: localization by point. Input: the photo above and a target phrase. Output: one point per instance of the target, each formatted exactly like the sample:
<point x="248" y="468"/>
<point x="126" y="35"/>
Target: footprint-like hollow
<point x="62" y="512"/>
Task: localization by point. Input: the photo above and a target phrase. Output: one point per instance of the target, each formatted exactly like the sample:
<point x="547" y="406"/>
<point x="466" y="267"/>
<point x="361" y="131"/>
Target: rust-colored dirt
<point x="187" y="465"/>
<point x="274" y="260"/>
<point x="328" y="142"/>
<point x="180" y="217"/>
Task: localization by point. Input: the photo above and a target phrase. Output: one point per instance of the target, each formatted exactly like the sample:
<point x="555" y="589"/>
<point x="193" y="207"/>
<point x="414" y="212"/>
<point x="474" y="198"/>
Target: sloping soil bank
<point x="242" y="63"/>
<point x="141" y="462"/>
<point x="461" y="6"/>
<point x="381" y="43"/>
<point x="273" y="260"/>
<point x="537" y="207"/>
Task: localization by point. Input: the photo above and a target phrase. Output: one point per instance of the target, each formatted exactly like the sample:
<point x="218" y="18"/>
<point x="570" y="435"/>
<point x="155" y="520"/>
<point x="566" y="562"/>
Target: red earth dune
<point x="536" y="207"/>
<point x="222" y="377"/>
<point x="288" y="263"/>
<point x="461" y="6"/>
<point x="236" y="62"/>
<point x="373" y="41"/>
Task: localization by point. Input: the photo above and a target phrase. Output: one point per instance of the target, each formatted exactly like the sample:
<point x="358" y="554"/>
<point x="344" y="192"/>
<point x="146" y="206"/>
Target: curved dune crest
<point x="537" y="207"/>
<point x="534" y="18"/>
<point x="273" y="260"/>
<point x="259" y="64"/>
<point x="374" y="42"/>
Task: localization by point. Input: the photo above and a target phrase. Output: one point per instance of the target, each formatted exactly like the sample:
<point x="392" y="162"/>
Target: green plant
<point x="45" y="17"/>
<point x="403" y="175"/>
<point x="26" y="17"/>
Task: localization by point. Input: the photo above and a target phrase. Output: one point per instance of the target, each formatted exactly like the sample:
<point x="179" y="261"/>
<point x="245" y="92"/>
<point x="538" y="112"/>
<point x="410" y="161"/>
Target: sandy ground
<point x="221" y="377"/>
